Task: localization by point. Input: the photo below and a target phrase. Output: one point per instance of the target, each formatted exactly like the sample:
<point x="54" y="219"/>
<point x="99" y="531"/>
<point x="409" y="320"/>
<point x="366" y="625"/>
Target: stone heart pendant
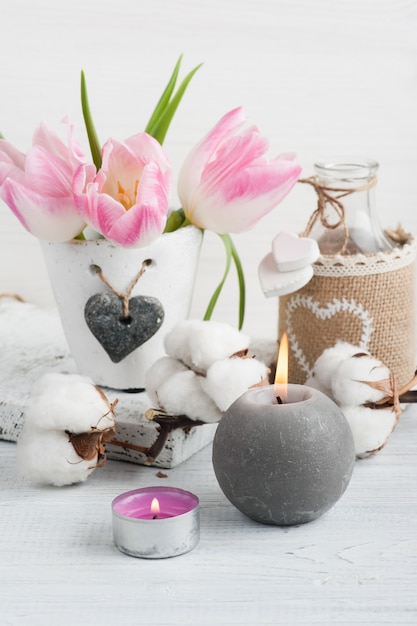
<point x="120" y="335"/>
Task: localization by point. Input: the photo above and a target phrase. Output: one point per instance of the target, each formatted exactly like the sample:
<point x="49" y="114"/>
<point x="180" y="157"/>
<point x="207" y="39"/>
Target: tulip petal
<point x="142" y="143"/>
<point x="38" y="186"/>
<point x="120" y="165"/>
<point x="49" y="218"/>
<point x="232" y="158"/>
<point x="139" y="225"/>
<point x="238" y="204"/>
<point x="127" y="199"/>
<point x="12" y="162"/>
<point x="10" y="154"/>
<point x="46" y="138"/>
<point x="101" y="210"/>
<point x="192" y="168"/>
<point x="47" y="173"/>
<point x="145" y="221"/>
<point x="227" y="184"/>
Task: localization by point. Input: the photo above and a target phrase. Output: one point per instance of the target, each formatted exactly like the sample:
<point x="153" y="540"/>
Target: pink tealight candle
<point x="156" y="522"/>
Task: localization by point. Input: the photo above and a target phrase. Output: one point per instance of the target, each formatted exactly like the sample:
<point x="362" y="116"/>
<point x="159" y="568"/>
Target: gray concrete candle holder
<point x="283" y="463"/>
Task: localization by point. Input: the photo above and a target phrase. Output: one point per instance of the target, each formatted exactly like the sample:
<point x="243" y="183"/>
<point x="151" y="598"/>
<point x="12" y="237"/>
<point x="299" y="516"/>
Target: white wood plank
<point x="33" y="344"/>
<point x="354" y="565"/>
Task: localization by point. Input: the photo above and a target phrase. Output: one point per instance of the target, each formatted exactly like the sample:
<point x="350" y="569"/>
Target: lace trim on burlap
<point x="364" y="264"/>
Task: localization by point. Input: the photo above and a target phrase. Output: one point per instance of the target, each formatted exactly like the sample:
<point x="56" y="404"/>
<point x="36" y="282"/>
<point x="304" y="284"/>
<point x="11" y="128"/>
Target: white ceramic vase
<point x="169" y="277"/>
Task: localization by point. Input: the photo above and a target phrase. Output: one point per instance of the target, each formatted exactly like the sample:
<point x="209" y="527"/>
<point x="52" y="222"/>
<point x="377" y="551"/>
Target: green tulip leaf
<point x="160" y="128"/>
<point x="164" y="99"/>
<point x="95" y="146"/>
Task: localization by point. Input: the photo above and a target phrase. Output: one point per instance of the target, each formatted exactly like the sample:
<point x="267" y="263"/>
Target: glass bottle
<point x="354" y="228"/>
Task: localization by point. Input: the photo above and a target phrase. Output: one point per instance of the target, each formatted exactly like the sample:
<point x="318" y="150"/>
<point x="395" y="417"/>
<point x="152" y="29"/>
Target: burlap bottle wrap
<point x="366" y="300"/>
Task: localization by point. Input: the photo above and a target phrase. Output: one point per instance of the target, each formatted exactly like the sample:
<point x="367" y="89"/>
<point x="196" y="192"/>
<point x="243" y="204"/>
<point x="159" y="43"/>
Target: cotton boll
<point x="312" y="381"/>
<point x="61" y="404"/>
<point x="370" y="427"/>
<point x="264" y="350"/>
<point x="177" y="341"/>
<point x="68" y="402"/>
<point x="228" y="379"/>
<point x="48" y="458"/>
<point x="159" y="373"/>
<point x="348" y="383"/>
<point x="182" y="394"/>
<point x="199" y="344"/>
<point x="326" y="364"/>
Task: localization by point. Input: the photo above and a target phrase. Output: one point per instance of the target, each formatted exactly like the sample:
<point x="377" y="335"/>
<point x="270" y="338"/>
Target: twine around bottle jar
<point x="331" y="196"/>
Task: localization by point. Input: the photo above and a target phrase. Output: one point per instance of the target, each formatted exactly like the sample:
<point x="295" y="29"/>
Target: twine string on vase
<point x="124" y="296"/>
<point x="331" y="196"/>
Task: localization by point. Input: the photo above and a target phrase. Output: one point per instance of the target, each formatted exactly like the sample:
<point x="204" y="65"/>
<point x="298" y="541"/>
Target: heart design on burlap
<point x="313" y="328"/>
<point x="120" y="335"/>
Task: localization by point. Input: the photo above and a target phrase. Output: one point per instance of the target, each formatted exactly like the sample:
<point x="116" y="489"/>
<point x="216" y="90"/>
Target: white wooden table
<point x="355" y="565"/>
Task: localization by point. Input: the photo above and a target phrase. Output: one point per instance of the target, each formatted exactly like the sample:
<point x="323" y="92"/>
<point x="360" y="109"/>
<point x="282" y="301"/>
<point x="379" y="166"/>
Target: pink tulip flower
<point x="127" y="199"/>
<point x="38" y="186"/>
<point x="226" y="183"/>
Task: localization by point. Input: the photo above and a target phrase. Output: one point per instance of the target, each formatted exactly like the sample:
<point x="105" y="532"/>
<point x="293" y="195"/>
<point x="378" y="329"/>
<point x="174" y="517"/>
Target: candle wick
<point x="279" y="400"/>
<point x="155" y="516"/>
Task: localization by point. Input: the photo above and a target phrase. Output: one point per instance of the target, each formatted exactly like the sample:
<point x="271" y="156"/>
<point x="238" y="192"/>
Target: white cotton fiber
<point x="370" y="427"/>
<point x="59" y="403"/>
<point x="182" y="394"/>
<point x="67" y="402"/>
<point x="228" y="379"/>
<point x="326" y="364"/>
<point x="158" y="374"/>
<point x="198" y="344"/>
<point x="48" y="458"/>
<point x="265" y="350"/>
<point x="348" y="383"/>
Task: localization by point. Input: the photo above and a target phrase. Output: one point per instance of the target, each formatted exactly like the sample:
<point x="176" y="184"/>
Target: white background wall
<point x="319" y="77"/>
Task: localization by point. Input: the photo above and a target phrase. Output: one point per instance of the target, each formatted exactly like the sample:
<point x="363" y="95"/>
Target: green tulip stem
<point x="231" y="254"/>
<point x="241" y="280"/>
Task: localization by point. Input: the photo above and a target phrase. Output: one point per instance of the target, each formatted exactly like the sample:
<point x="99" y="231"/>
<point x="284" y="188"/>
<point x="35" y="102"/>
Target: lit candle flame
<point x="155" y="508"/>
<point x="281" y="375"/>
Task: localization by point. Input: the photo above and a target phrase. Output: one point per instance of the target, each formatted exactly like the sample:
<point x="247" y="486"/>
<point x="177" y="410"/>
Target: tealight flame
<point x="155" y="508"/>
<point x="281" y="375"/>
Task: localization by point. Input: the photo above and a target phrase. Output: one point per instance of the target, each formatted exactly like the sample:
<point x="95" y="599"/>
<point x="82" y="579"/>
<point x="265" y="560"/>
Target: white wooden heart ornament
<point x="292" y="252"/>
<point x="275" y="283"/>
